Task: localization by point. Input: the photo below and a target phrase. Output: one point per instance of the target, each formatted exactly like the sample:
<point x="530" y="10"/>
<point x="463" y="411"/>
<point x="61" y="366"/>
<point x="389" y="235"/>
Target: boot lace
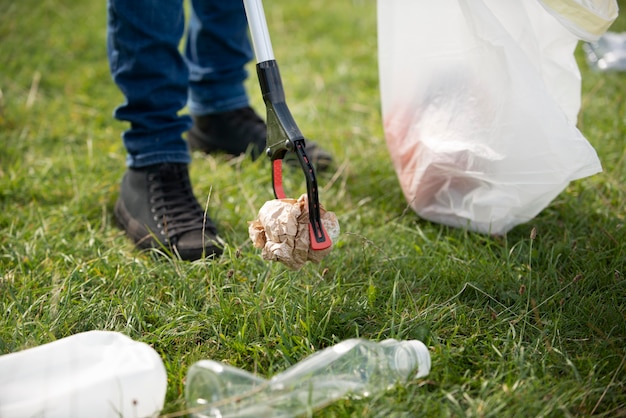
<point x="174" y="206"/>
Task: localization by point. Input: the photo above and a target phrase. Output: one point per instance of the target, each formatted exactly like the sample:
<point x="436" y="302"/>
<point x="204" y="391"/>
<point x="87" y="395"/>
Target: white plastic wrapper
<point x="281" y="230"/>
<point x="480" y="101"/>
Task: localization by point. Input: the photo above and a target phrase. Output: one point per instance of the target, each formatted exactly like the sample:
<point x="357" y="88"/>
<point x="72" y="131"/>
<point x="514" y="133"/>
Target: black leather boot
<point x="157" y="209"/>
<point x="235" y="131"/>
<point x="231" y="132"/>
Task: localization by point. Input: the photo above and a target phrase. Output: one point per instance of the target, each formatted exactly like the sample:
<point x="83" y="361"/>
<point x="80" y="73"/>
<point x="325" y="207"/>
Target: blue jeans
<point x="158" y="81"/>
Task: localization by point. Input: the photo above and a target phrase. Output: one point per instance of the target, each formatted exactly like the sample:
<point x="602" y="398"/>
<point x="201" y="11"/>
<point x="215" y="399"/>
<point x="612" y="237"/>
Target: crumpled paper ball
<point x="281" y="230"/>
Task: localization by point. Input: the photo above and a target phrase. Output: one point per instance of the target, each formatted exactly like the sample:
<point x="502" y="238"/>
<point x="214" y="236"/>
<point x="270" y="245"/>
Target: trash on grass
<point x="607" y="53"/>
<point x="355" y="367"/>
<point x="91" y="374"/>
<point x="281" y="230"/>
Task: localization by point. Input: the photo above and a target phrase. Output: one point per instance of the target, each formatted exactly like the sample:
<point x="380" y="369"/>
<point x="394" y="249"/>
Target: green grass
<point x="516" y="326"/>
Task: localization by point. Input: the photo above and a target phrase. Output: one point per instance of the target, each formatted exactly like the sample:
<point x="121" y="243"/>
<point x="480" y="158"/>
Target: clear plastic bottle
<point x="357" y="367"/>
<point x="607" y="53"/>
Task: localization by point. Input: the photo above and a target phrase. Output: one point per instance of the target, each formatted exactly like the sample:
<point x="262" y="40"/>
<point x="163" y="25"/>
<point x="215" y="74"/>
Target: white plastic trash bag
<point x="480" y="101"/>
<point x="92" y="374"/>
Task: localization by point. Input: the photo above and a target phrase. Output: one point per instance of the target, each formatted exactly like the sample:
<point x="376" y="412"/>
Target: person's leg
<point x="156" y="206"/>
<point x="142" y="43"/>
<point x="217" y="51"/>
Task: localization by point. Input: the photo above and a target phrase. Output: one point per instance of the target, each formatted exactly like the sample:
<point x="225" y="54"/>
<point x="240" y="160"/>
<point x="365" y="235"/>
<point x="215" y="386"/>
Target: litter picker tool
<point x="283" y="135"/>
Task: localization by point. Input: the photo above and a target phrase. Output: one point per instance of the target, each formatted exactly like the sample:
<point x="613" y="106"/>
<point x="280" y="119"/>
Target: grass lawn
<point x="521" y="325"/>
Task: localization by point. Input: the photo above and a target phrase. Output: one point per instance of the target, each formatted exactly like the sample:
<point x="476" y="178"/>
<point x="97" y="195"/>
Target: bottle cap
<point x="419" y="354"/>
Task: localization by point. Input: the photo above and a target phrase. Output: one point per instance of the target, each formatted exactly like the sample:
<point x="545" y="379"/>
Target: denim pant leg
<point x="145" y="63"/>
<point x="217" y="51"/>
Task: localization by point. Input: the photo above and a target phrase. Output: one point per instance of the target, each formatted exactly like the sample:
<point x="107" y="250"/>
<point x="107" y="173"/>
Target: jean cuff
<point x="198" y="109"/>
<point x="158" y="158"/>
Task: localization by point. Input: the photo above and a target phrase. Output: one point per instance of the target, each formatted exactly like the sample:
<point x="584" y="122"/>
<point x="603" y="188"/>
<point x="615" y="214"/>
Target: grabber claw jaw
<point x="319" y="237"/>
<point x="277" y="179"/>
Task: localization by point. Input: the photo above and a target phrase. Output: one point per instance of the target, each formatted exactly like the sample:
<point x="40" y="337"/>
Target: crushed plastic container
<point x="354" y="367"/>
<point x="91" y="374"/>
<point x="607" y="53"/>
